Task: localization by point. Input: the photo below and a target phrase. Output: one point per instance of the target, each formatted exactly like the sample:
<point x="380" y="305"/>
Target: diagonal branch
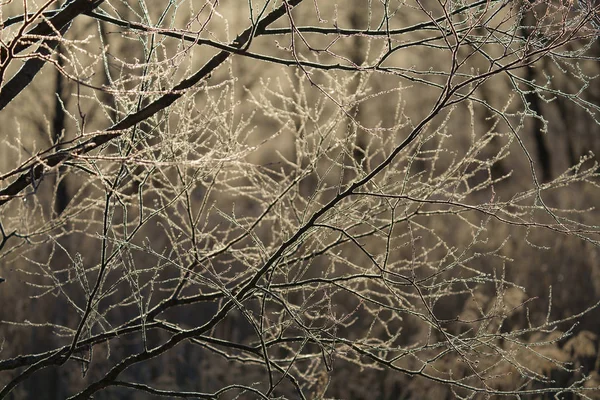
<point x="60" y="22"/>
<point x="49" y="26"/>
<point x="28" y="71"/>
<point x="242" y="41"/>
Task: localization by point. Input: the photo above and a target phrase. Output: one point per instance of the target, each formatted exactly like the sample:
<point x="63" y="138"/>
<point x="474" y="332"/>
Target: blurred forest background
<point x="368" y="199"/>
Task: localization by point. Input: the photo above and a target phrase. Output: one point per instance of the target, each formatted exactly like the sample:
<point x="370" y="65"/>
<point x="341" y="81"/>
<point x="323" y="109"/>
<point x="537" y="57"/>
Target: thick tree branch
<point x="161" y="103"/>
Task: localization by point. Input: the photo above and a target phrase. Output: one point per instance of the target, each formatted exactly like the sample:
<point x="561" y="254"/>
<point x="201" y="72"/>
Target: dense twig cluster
<point x="264" y="234"/>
